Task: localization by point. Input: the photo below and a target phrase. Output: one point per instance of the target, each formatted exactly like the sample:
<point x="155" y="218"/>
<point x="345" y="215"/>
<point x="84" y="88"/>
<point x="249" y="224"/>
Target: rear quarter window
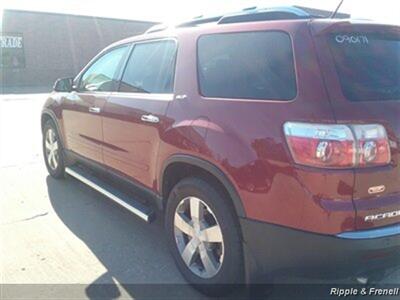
<point x="247" y="65"/>
<point x="367" y="64"/>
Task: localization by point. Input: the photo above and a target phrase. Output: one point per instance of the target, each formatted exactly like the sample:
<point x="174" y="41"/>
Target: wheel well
<point x="179" y="170"/>
<point x="44" y="119"/>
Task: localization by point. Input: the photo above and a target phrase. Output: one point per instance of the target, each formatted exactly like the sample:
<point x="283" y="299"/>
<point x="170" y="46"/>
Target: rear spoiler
<point x="324" y="26"/>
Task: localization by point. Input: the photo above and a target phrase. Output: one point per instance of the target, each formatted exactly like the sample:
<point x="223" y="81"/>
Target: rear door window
<point x="368" y="65"/>
<point x="247" y="65"/>
<point x="150" y="68"/>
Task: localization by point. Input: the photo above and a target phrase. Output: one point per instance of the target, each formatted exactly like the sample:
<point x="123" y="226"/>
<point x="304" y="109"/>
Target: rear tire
<point x="204" y="237"/>
<point x="52" y="150"/>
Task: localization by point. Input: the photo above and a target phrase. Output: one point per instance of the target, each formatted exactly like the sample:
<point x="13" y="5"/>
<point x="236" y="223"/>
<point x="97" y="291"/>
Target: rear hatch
<point x="360" y="63"/>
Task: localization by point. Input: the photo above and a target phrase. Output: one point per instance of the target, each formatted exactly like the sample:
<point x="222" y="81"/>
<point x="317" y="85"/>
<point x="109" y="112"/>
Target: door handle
<point x="180" y="97"/>
<point x="94" y="109"/>
<point x="150" y="119"/>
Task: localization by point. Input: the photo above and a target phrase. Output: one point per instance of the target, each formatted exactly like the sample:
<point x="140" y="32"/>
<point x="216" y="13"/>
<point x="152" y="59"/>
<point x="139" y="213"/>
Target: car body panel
<point x="83" y="128"/>
<point x="386" y="113"/>
<point x="245" y="139"/>
<point x="130" y="144"/>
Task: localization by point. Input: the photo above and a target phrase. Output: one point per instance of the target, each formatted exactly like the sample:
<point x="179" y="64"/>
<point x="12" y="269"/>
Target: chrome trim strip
<point x="143" y="96"/>
<point x="371" y="233"/>
<point x="109" y="195"/>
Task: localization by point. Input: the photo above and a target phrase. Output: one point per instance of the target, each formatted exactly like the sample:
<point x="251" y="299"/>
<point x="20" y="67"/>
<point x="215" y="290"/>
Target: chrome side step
<point x="110" y="192"/>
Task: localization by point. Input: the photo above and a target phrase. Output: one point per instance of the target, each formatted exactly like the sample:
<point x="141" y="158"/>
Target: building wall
<point x="55" y="45"/>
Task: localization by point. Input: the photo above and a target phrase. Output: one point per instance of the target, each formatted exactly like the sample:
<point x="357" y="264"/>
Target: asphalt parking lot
<point x="59" y="235"/>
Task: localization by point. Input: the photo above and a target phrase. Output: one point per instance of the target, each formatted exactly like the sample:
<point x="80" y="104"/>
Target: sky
<point x="176" y="11"/>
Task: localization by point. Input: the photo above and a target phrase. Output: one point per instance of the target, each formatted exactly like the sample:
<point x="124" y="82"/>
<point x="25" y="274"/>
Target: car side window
<point x="101" y="75"/>
<point x="247" y="65"/>
<point x="150" y="68"/>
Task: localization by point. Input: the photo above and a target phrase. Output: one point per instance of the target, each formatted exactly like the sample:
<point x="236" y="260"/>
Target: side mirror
<point x="63" y="85"/>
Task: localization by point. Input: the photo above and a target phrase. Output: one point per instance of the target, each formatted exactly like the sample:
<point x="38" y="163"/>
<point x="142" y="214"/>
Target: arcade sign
<point x="12" y="50"/>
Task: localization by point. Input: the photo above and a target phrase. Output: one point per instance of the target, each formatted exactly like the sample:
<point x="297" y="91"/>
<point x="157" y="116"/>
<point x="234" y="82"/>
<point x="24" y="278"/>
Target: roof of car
<point x="171" y="32"/>
<point x="246" y="17"/>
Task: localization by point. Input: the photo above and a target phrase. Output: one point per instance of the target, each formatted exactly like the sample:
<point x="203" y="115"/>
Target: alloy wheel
<point x="51" y="145"/>
<point x="198" y="237"/>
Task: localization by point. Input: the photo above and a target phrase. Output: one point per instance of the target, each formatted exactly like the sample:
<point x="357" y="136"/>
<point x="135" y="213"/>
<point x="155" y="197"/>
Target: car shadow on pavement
<point x="134" y="253"/>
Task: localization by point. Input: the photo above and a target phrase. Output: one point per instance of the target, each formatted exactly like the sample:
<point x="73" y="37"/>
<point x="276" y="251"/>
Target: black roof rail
<point x="249" y="8"/>
<point x="200" y="20"/>
<point x="157" y="27"/>
<point x="265" y="14"/>
<point x="249" y="14"/>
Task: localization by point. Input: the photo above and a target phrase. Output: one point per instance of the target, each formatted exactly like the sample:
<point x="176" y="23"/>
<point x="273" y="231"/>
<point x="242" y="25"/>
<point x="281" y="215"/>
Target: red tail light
<point x="337" y="146"/>
<point x="373" y="145"/>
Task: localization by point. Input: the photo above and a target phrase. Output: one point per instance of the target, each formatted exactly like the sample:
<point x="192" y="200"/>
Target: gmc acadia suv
<point x="268" y="140"/>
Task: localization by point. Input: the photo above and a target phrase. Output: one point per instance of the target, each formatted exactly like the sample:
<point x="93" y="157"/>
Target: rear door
<point x="134" y="117"/>
<point x="361" y="66"/>
<point x="82" y="114"/>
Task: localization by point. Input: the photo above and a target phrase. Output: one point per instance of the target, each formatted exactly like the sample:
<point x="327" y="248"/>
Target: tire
<point x="222" y="273"/>
<point x="52" y="150"/>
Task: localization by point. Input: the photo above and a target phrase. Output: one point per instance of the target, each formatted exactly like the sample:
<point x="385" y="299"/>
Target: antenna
<point x="336" y="10"/>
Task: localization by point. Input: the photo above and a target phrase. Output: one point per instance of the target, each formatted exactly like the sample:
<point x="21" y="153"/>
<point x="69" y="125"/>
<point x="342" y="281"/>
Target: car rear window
<point x="247" y="65"/>
<point x="368" y="65"/>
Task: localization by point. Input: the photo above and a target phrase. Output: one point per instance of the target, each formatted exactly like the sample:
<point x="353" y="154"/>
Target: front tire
<point x="204" y="236"/>
<point x="52" y="150"/>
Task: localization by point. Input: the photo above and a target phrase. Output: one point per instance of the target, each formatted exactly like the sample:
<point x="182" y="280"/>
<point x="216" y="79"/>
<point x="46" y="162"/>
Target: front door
<point x="82" y="113"/>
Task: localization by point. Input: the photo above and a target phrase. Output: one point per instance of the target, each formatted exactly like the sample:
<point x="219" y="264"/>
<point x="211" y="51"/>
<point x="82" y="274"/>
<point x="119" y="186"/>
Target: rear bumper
<point x="272" y="250"/>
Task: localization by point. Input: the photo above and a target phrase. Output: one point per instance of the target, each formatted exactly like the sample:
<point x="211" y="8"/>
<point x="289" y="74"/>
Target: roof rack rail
<point x="249" y="8"/>
<point x="249" y="14"/>
<point x="253" y="14"/>
<point x="265" y="14"/>
<point x="200" y="20"/>
<point x="155" y="28"/>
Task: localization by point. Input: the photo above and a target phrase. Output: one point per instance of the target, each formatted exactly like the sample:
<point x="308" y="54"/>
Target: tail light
<point x="337" y="146"/>
<point x="373" y="145"/>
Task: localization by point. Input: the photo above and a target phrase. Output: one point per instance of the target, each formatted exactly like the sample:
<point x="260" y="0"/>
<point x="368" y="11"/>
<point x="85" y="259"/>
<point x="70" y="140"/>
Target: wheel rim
<point x="51" y="145"/>
<point x="198" y="237"/>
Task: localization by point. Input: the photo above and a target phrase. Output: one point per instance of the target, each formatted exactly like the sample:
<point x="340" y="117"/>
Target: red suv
<point x="268" y="140"/>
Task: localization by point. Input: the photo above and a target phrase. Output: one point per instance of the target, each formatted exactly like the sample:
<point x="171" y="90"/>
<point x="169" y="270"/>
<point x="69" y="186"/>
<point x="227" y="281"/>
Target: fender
<point x="211" y="168"/>
<point x="52" y="116"/>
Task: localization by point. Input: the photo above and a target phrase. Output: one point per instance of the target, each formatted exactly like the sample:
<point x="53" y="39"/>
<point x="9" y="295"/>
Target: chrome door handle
<point x="180" y="97"/>
<point x="94" y="109"/>
<point x="150" y="119"/>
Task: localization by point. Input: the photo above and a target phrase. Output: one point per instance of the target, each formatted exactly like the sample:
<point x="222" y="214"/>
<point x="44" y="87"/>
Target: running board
<point x="112" y="193"/>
